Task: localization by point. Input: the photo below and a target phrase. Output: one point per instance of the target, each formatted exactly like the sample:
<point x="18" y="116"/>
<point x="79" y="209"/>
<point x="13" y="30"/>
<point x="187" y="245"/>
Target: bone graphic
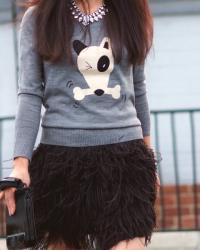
<point x="79" y="93"/>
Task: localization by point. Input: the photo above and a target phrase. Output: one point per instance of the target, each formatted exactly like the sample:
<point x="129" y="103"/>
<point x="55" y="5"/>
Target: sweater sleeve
<point x="141" y="99"/>
<point x="30" y="90"/>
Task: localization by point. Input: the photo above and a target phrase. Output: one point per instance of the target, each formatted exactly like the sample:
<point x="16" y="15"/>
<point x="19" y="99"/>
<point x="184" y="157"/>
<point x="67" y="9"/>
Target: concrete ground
<point x="164" y="241"/>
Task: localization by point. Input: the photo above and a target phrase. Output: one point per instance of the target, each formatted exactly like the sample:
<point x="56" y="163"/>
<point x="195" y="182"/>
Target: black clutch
<point x="20" y="227"/>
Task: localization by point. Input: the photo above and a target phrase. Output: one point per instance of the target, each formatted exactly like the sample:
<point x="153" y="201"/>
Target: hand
<point x="20" y="170"/>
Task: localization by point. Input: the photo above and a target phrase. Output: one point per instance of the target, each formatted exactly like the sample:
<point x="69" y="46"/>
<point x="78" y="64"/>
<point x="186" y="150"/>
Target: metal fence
<point x="176" y="168"/>
<point x="194" y="186"/>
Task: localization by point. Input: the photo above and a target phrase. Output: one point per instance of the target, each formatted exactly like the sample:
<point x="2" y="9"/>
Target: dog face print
<point x="95" y="63"/>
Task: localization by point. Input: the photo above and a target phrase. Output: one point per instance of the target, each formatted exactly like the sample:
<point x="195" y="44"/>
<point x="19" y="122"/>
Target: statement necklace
<point x="85" y="19"/>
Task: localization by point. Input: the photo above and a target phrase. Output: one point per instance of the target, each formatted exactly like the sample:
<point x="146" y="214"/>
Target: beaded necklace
<point x="85" y="19"/>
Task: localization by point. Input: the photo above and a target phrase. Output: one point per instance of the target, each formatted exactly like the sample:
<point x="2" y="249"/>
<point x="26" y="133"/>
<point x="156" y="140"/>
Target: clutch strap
<point x="7" y="182"/>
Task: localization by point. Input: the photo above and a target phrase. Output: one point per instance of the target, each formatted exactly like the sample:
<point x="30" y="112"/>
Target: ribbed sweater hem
<point x="89" y="137"/>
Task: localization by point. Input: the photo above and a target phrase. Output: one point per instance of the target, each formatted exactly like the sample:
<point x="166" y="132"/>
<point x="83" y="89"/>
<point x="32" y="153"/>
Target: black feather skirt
<point x="93" y="197"/>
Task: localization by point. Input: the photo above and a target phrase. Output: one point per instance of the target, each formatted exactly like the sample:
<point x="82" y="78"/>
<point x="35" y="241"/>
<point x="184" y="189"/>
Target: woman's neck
<point x="93" y="5"/>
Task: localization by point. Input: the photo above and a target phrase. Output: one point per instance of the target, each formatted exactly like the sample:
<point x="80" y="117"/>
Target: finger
<point x="159" y="183"/>
<point x="158" y="179"/>
<point x="10" y="200"/>
<point x="1" y="195"/>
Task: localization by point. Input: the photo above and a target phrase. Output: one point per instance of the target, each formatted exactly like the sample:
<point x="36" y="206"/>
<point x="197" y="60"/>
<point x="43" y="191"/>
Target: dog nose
<point x="99" y="92"/>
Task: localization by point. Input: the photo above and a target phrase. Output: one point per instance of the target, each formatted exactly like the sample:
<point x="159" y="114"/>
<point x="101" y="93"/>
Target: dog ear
<point x="78" y="46"/>
<point x="105" y="43"/>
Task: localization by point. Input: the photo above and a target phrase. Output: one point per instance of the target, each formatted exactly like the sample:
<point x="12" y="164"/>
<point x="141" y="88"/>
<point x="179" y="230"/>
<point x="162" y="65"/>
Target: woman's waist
<point x="78" y="137"/>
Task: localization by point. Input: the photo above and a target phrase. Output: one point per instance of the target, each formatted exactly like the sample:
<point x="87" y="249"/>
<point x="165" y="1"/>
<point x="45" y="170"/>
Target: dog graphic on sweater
<point x="95" y="64"/>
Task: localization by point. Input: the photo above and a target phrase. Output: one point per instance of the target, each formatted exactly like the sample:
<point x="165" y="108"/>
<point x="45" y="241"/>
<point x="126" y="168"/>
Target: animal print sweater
<point x="94" y="102"/>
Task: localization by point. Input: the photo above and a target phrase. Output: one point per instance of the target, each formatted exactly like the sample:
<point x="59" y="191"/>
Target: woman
<point x="93" y="175"/>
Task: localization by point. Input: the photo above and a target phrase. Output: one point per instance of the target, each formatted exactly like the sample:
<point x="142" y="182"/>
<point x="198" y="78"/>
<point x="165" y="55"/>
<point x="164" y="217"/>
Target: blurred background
<point x="173" y="84"/>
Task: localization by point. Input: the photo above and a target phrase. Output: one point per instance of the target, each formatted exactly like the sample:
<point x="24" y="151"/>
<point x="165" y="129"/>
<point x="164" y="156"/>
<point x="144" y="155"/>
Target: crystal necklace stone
<point x="85" y="19"/>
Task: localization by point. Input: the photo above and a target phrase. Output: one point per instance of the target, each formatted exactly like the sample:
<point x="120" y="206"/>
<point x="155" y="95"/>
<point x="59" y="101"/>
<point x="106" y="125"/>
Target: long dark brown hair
<point x="129" y="23"/>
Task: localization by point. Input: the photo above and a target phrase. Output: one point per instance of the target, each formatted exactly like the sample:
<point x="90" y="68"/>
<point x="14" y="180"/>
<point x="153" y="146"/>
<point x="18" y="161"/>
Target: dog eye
<point x="103" y="63"/>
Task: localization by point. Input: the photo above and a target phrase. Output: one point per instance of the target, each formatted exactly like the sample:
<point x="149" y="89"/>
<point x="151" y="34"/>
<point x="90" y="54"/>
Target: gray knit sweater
<point x="96" y="102"/>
